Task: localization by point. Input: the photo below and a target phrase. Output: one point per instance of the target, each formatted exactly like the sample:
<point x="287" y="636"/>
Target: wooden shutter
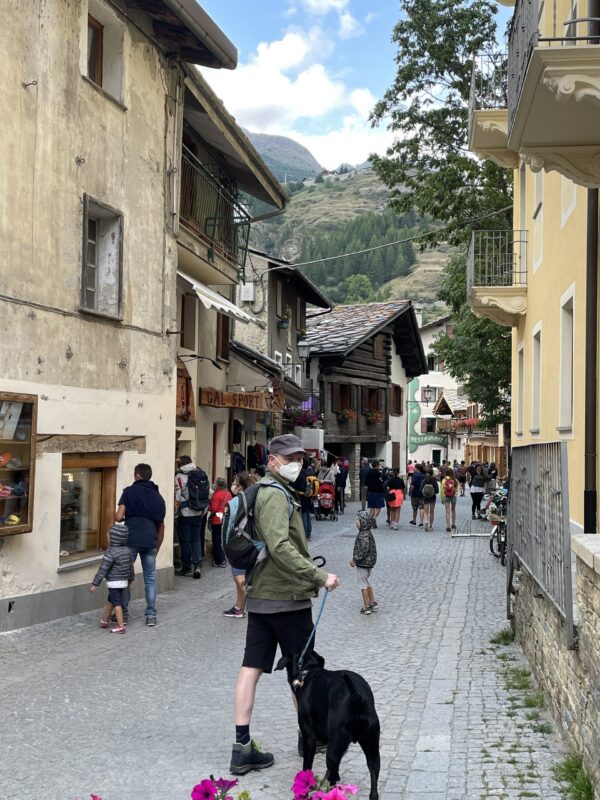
<point x="364" y="404"/>
<point x="335" y="397"/>
<point x="381" y="400"/>
<point x="400" y="400"/>
<point x="423" y="424"/>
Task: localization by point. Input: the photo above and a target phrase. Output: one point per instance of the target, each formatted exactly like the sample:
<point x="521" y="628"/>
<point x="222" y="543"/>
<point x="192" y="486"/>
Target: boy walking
<point x="364" y="558"/>
<point x="117" y="569"/>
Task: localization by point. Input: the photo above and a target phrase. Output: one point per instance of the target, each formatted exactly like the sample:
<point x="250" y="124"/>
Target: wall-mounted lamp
<point x="303" y="348"/>
<point x="267" y="386"/>
<point x="194" y="357"/>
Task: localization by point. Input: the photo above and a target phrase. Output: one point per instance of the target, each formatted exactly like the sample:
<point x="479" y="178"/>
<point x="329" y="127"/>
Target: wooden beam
<point x="66" y="443"/>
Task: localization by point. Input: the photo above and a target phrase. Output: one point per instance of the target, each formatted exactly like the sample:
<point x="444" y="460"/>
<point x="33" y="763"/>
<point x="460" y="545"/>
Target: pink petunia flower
<point x="349" y="788"/>
<point x="303" y="783"/>
<point x="335" y="794"/>
<point x="224" y="785"/>
<point x="205" y="790"/>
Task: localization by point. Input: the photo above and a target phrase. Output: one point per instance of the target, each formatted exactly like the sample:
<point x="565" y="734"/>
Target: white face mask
<point x="289" y="472"/>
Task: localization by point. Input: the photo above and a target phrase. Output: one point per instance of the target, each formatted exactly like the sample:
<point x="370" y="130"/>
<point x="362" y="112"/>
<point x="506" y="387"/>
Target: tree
<point x="429" y="169"/>
<point x="358" y="289"/>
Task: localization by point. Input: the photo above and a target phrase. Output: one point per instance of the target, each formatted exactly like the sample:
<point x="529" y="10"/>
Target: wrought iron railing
<point x="538" y="525"/>
<point x="497" y="258"/>
<point x="489" y="83"/>
<point x="212" y="211"/>
<point x="525" y="36"/>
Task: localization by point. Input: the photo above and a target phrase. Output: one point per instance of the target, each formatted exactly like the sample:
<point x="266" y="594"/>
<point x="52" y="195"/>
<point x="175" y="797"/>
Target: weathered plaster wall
<point x="570" y="679"/>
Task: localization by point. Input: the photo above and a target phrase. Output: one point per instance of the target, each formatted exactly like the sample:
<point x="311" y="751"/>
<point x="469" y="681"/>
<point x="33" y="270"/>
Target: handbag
<point x="390" y="497"/>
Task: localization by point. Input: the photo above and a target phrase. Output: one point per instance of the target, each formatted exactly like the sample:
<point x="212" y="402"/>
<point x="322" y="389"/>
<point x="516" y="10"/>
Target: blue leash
<point x="314" y="630"/>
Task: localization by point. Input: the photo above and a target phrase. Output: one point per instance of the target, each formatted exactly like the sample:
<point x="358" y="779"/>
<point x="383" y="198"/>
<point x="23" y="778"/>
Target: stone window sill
<point x="82" y="562"/>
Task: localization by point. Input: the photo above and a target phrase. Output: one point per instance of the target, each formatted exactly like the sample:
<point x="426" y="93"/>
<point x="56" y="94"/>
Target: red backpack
<point x="449" y="487"/>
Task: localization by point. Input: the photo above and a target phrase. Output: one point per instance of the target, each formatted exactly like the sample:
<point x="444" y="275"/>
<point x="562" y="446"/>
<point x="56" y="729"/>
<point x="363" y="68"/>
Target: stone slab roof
<point x="347" y="326"/>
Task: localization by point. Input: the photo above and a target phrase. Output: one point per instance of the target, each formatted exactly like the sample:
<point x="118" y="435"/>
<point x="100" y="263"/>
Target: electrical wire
<point x="414" y="238"/>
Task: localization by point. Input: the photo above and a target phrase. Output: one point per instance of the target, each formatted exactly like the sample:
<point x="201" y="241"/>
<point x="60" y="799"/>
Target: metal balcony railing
<point x="489" y="83"/>
<point x="497" y="258"/>
<point x="212" y="212"/>
<point x="525" y="36"/>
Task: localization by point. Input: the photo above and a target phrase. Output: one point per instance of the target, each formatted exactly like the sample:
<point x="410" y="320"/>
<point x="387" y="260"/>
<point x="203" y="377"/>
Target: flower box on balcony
<point x="346" y="415"/>
<point x="374" y="417"/>
<point x="283" y="323"/>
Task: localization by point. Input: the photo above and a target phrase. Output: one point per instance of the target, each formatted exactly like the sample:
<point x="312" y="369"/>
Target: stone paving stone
<point x="145" y="716"/>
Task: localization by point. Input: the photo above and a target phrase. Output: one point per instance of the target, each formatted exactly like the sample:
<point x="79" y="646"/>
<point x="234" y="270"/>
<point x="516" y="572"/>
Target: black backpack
<point x="240" y="543"/>
<point x="198" y="490"/>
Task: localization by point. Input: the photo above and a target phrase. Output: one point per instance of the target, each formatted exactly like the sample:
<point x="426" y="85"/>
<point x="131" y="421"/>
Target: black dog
<point x="336" y="708"/>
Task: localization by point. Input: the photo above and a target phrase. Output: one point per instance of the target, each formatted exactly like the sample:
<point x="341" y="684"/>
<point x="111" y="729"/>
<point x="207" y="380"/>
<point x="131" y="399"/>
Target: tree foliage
<point x="428" y="168"/>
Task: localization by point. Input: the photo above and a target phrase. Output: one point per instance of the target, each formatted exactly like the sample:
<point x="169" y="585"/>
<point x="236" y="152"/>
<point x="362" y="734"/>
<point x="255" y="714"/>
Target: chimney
<point x="419" y="316"/>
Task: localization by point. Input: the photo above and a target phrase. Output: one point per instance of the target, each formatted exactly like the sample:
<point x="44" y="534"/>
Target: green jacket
<point x="289" y="573"/>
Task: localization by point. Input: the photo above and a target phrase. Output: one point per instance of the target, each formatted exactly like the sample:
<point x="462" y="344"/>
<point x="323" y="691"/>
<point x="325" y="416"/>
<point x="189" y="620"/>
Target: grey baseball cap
<point x="286" y="445"/>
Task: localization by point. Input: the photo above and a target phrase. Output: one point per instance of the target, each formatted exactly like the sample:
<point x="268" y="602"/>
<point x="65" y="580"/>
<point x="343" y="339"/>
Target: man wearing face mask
<point x="279" y="600"/>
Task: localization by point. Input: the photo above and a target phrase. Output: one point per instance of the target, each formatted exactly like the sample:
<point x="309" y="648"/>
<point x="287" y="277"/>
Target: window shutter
<point x="400" y="400"/>
<point x="364" y="404"/>
<point x="381" y="400"/>
<point x="391" y="399"/>
<point x="335" y="397"/>
<point x="423" y="425"/>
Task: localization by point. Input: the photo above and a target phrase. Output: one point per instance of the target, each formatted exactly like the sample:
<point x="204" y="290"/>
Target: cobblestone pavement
<point x="145" y="716"/>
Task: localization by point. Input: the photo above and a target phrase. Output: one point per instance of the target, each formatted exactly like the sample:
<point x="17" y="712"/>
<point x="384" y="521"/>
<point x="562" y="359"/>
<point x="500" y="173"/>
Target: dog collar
<point x="298" y="682"/>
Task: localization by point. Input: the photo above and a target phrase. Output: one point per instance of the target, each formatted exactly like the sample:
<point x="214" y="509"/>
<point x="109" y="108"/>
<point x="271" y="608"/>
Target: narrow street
<point x="147" y="715"/>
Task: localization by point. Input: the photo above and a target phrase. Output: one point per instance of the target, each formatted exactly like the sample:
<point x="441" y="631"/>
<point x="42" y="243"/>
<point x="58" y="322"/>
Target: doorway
<point x="436" y="457"/>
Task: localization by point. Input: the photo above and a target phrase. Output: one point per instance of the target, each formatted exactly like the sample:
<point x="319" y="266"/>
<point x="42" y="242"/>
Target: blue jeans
<point x="190" y="532"/>
<point x="307" y="521"/>
<point x="148" y="558"/>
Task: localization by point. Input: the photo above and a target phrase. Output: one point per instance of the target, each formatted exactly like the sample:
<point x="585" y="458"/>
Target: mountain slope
<point x="288" y="160"/>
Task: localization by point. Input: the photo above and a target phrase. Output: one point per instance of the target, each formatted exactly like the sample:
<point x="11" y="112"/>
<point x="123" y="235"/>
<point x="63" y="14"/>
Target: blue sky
<point x="309" y="69"/>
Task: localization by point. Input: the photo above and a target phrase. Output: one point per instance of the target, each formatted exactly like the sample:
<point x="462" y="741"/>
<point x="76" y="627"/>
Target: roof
<point x="207" y="115"/>
<point x="301" y="282"/>
<point x="436" y="322"/>
<point x="186" y="30"/>
<point x="255" y="358"/>
<point x="346" y="327"/>
<point x="449" y="399"/>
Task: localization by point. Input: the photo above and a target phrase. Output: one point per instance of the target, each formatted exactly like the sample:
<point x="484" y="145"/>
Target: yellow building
<point x="536" y="111"/>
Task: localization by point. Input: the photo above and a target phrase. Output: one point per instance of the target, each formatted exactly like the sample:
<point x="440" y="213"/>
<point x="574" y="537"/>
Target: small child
<point x="364" y="559"/>
<point x="117" y="569"/>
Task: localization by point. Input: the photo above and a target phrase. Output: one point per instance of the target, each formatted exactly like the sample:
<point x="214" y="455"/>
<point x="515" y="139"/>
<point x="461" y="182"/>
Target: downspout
<point x="590" y="496"/>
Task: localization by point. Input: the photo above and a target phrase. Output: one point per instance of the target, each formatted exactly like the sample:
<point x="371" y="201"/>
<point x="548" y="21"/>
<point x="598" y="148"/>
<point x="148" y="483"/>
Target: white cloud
<point x="349" y="26"/>
<point x="324" y="6"/>
<point x="352" y="143"/>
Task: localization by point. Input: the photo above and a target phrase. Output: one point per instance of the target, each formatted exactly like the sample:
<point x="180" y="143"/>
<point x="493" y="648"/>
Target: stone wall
<point x="570" y="679"/>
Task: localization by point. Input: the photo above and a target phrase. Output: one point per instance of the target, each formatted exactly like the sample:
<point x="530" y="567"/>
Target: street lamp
<point x="426" y="394"/>
<point x="303" y="348"/>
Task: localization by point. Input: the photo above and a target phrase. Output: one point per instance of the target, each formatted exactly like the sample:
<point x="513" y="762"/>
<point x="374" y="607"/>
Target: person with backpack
<point x="191" y="498"/>
<point x="303" y="487"/>
<point x="429" y="489"/>
<point x="240" y="483"/>
<point x="219" y="499"/>
<point x="395" y="491"/>
<point x="416" y="495"/>
<point x="462" y="472"/>
<point x="279" y="594"/>
<point x="449" y="492"/>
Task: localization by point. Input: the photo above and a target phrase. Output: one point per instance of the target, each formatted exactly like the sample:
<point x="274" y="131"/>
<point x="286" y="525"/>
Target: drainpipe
<point x="590" y="496"/>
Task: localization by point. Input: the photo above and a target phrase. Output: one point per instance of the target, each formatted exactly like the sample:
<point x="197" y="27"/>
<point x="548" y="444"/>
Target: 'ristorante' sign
<point x="248" y="401"/>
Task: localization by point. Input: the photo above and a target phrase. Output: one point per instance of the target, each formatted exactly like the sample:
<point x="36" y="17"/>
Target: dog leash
<point x="312" y="633"/>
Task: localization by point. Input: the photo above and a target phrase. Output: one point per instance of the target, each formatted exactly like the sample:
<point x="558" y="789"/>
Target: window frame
<point x="99" y="29"/>
<point x="396" y="400"/>
<point x="89" y="200"/>
<point x="567" y="363"/>
<point x="340" y="396"/>
<point x="536" y="380"/>
<point x="222" y="338"/>
<point x="108" y="463"/>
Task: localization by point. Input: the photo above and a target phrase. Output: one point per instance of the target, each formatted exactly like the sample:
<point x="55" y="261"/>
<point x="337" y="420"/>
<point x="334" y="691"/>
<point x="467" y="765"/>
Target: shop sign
<point x="245" y="401"/>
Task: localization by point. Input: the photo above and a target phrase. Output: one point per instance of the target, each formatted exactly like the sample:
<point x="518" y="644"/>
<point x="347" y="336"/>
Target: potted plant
<point x="284" y="320"/>
<point x="375" y="417"/>
<point x="346" y="415"/>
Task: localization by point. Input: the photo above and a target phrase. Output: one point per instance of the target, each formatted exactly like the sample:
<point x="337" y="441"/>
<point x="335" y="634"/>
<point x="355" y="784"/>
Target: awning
<point x="211" y="299"/>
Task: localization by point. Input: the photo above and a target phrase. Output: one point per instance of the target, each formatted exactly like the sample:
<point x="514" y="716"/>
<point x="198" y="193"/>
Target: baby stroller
<point x="326" y="502"/>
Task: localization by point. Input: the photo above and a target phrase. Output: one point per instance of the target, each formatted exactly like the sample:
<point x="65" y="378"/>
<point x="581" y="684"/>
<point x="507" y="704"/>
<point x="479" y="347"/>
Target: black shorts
<point x="288" y="629"/>
<point x="115" y="597"/>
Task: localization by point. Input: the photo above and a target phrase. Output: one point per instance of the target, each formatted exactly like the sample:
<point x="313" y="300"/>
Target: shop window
<point x="87" y="506"/>
<point x="222" y="337"/>
<point x="18" y="414"/>
<point x="396" y="400"/>
<point x="102" y="259"/>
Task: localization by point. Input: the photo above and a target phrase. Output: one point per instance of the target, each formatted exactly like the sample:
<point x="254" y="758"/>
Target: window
<point x="300" y="314"/>
<point x="373" y="399"/>
<point x="88" y="500"/>
<point x="538" y="221"/>
<point x="520" y="391"/>
<point x="536" y="394"/>
<point x="565" y="412"/>
<point x="341" y="396"/>
<point x="18" y="414"/>
<point x="222" y="337"/>
<point x="94" y="50"/>
<point x="102" y="48"/>
<point x="279" y="309"/>
<point x="396" y="400"/>
<point x="102" y="258"/>
<point x="431" y="363"/>
<point x="277" y="356"/>
<point x="187" y="321"/>
<point x="428" y="424"/>
<point x="568" y="199"/>
<point x="298" y="374"/>
<point x="288" y="365"/>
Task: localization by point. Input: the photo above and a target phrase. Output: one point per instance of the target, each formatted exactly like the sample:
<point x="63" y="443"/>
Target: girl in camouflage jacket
<point x="364" y="558"/>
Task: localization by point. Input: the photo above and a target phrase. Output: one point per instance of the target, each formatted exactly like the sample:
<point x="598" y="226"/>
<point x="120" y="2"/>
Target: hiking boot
<point x="321" y="746"/>
<point x="246" y="757"/>
<point x="197" y="573"/>
<point x="184" y="572"/>
<point x="234" y="611"/>
<point x="366" y="610"/>
<point x="151" y="622"/>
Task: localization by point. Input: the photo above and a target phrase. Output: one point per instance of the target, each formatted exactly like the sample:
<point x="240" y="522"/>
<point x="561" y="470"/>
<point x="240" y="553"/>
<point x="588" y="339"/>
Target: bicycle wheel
<point x="502" y="544"/>
<point x="495" y="543"/>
